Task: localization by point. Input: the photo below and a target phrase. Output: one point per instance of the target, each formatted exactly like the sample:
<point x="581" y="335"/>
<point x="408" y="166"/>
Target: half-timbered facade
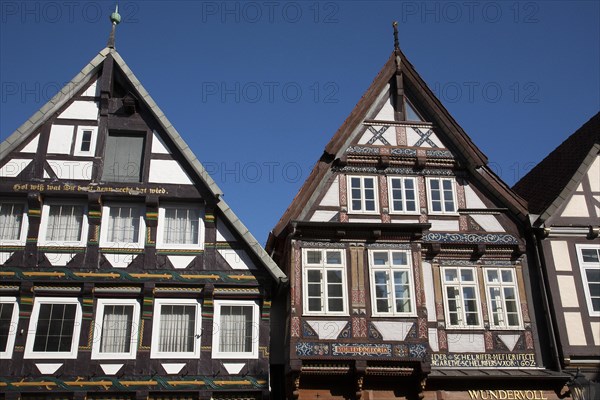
<point x="563" y="193"/>
<point x="407" y="263"/>
<point x="124" y="274"/>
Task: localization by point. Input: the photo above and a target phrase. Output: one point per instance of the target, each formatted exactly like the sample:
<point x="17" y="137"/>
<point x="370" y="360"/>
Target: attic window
<point x="410" y="113"/>
<point x="85" y="141"/>
<point x="123" y="157"/>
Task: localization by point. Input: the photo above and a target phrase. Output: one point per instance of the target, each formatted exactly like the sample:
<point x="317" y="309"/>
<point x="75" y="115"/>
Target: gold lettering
<point x="474" y="394"/>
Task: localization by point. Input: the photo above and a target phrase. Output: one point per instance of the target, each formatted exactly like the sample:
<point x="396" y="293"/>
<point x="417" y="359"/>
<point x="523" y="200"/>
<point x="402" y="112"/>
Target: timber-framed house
<point x="124" y="274"/>
<point x="407" y="262"/>
<point x="563" y="195"/>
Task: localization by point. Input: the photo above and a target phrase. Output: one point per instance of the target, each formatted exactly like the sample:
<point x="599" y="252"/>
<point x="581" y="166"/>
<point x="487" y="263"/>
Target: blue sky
<point x="258" y="88"/>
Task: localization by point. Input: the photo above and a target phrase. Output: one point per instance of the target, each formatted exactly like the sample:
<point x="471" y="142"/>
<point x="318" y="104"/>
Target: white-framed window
<point x="392" y="284"/>
<point x="403" y="195"/>
<point x="503" y="298"/>
<point x="85" y="141"/>
<point x="123" y="226"/>
<point x="180" y="226"/>
<point x="116" y="329"/>
<point x="9" y="317"/>
<point x="362" y="194"/>
<point x="63" y="223"/>
<point x="54" y="328"/>
<point x="176" y="329"/>
<point x="442" y="195"/>
<point x="324" y="282"/>
<point x="589" y="262"/>
<point x="461" y="297"/>
<point x="13" y="222"/>
<point x="235" y="333"/>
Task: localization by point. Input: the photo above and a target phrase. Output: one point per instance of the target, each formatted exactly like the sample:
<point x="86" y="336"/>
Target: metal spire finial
<point x="115" y="18"/>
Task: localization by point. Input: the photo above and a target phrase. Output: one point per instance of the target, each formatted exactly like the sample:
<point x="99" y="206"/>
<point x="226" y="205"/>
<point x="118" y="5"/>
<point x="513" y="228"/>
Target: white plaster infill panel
<point x="594" y="175"/>
<point x="14" y="167"/>
<point x="429" y="291"/>
<point x="387" y="111"/>
<point x="433" y="339"/>
<point x="576" y="207"/>
<point x="596" y="332"/>
<point x="59" y="259"/>
<point x="412" y="137"/>
<point x="158" y="146"/>
<point x="181" y="262"/>
<point x="172" y="368"/>
<point x="391" y="330"/>
<point x="72" y="170"/>
<point x="567" y="290"/>
<point x="32" y="146"/>
<point x="466" y="342"/>
<point x="389" y="135"/>
<point x="489" y="223"/>
<point x="575" y="331"/>
<point x="233" y="368"/>
<point x="92" y="90"/>
<point x="444" y="225"/>
<point x="327" y="329"/>
<point x="118" y="260"/>
<point x="223" y="233"/>
<point x="61" y="138"/>
<point x="560" y="254"/>
<point x="87" y="110"/>
<point x="168" y="171"/>
<point x="472" y="200"/>
<point x="111" y="369"/>
<point x="323" y="215"/>
<point x="332" y="197"/>
<point x="4" y="256"/>
<point x="509" y="340"/>
<point x="48" y="369"/>
<point x="237" y="259"/>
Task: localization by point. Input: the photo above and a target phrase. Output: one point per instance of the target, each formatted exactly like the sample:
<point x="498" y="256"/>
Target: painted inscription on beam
<point x="482" y="360"/>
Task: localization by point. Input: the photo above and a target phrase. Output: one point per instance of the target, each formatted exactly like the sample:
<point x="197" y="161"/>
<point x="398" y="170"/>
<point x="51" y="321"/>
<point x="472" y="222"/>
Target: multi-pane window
<point x="589" y="262"/>
<point x="9" y="311"/>
<point x="503" y="299"/>
<point x="403" y="195"/>
<point x="180" y="226"/>
<point x="442" y="198"/>
<point x="13" y="222"/>
<point x="236" y="329"/>
<point x="324" y="282"/>
<point x="123" y="225"/>
<point x="362" y="194"/>
<point x="176" y="328"/>
<point x="115" y="329"/>
<point x="123" y="157"/>
<point x="54" y="328"/>
<point x="461" y="297"/>
<point x="63" y="224"/>
<point x="391" y="283"/>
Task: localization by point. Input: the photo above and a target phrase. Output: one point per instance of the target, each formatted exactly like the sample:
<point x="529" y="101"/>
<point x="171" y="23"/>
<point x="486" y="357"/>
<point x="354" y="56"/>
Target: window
<point x="503" y="298"/>
<point x="123" y="157"/>
<point x="461" y="297"/>
<point x="236" y="329"/>
<point x="180" y="226"/>
<point x="324" y="282"/>
<point x="391" y="283"/>
<point x="589" y="262"/>
<point x="403" y="195"/>
<point x="441" y="196"/>
<point x="63" y="224"/>
<point x="13" y="223"/>
<point x="176" y="329"/>
<point x="116" y="329"/>
<point x="85" y="141"/>
<point x="54" y="328"/>
<point x="363" y="194"/>
<point x="122" y="226"/>
<point x="9" y="317"/>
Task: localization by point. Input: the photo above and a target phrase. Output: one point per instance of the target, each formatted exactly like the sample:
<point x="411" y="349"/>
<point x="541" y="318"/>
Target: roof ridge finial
<point x="115" y="18"/>
<point x="396" y="42"/>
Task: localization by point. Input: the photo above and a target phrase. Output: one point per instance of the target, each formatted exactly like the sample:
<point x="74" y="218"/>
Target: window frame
<point x="42" y="241"/>
<point x="459" y="284"/>
<point x="12" y="331"/>
<point x="390" y="268"/>
<point x="160" y="243"/>
<point x="155" y="353"/>
<point x="22" y="239"/>
<point x="362" y="178"/>
<point x="79" y="139"/>
<point x="104" y="242"/>
<point x="323" y="269"/>
<point x="32" y="330"/>
<point x="442" y="202"/>
<point x="98" y="325"/>
<point x="216" y="339"/>
<point x="502" y="285"/>
<point x="391" y="199"/>
<point x="583" y="267"/>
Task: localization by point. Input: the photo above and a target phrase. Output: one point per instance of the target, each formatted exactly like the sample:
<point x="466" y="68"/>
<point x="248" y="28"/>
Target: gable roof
<point x="78" y="82"/>
<point x="457" y="140"/>
<point x="554" y="178"/>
